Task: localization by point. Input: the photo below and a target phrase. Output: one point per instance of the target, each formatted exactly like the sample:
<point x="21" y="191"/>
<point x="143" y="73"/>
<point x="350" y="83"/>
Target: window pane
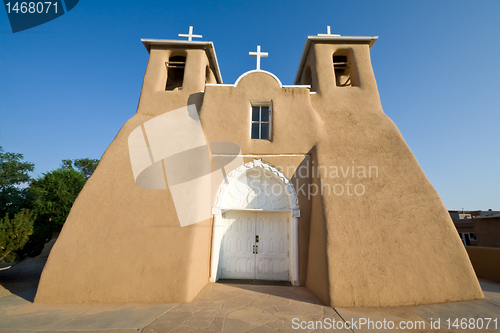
<point x="255" y="114"/>
<point x="265" y="131"/>
<point x="265" y="114"/>
<point x="255" y="130"/>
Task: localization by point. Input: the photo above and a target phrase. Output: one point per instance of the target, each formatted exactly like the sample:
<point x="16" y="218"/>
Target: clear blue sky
<point x="66" y="87"/>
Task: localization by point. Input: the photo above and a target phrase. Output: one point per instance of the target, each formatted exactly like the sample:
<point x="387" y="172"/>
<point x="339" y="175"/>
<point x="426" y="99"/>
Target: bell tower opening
<point x="342" y="68"/>
<point x="175" y="72"/>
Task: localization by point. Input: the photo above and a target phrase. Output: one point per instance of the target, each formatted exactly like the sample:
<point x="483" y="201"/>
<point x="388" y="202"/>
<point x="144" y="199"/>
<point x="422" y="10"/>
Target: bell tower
<point x="177" y="71"/>
<point x="335" y="64"/>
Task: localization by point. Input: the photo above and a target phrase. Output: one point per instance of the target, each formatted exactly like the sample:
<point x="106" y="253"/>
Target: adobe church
<point x="308" y="183"/>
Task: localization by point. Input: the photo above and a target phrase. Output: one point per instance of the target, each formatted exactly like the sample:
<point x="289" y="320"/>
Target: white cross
<point x="258" y="54"/>
<point x="190" y="34"/>
<point x="328" y="32"/>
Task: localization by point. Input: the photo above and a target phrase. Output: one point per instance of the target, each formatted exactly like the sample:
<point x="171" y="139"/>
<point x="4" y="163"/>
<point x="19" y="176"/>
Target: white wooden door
<point x="272" y="252"/>
<point x="255" y="246"/>
<point x="238" y="258"/>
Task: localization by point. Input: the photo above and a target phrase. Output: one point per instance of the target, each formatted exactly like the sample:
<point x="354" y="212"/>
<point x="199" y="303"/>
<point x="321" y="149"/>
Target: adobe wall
<point x="317" y="269"/>
<point x="225" y="117"/>
<point x="395" y="244"/>
<point x="122" y="243"/>
<point x="487" y="231"/>
<point x="486" y="261"/>
<point x="464" y="228"/>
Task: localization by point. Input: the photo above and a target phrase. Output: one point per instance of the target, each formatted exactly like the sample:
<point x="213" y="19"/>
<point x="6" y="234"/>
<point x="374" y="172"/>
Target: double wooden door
<point x="255" y="246"/>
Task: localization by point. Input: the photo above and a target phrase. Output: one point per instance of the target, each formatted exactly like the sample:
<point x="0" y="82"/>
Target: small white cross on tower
<point x="190" y="34"/>
<point x="328" y="32"/>
<point x="258" y="54"/>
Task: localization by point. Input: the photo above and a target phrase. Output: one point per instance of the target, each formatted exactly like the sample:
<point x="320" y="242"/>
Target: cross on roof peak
<point x="258" y="54"/>
<point x="328" y="33"/>
<point x="190" y="35"/>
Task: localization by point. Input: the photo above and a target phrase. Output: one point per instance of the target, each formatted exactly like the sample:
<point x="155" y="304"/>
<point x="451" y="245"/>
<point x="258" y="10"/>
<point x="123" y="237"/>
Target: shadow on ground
<point x="22" y="278"/>
<point x="285" y="292"/>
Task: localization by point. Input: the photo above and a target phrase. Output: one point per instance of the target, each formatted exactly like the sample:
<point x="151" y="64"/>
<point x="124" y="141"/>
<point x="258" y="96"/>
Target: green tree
<point x="53" y="196"/>
<point x="13" y="170"/>
<point x="49" y="199"/>
<point x="14" y="233"/>
<point x="85" y="165"/>
<point x="13" y="175"/>
<point x="16" y="226"/>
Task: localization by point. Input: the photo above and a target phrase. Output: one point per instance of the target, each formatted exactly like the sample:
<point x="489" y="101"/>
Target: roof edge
<point x="335" y="38"/>
<point x="207" y="46"/>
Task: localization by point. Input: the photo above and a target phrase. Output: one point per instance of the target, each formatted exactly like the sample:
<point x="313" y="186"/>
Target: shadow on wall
<point x="303" y="180"/>
<point x="196" y="99"/>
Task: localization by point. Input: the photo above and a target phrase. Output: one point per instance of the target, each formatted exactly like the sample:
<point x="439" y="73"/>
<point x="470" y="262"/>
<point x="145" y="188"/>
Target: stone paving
<point x="220" y="308"/>
<point x="243" y="308"/>
<point x="248" y="308"/>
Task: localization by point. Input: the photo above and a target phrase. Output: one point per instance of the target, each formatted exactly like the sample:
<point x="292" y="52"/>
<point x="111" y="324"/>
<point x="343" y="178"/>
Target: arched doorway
<point x="255" y="232"/>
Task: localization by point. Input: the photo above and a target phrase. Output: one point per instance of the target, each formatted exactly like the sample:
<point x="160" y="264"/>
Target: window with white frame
<point x="261" y="120"/>
<point x="467" y="237"/>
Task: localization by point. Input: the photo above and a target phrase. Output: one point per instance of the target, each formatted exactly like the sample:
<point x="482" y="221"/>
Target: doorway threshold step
<point x="255" y="281"/>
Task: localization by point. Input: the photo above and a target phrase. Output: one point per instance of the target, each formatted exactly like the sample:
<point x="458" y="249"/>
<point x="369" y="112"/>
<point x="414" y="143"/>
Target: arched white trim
<point x="258" y="71"/>
<point x="219" y="208"/>
<point x="236" y="173"/>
